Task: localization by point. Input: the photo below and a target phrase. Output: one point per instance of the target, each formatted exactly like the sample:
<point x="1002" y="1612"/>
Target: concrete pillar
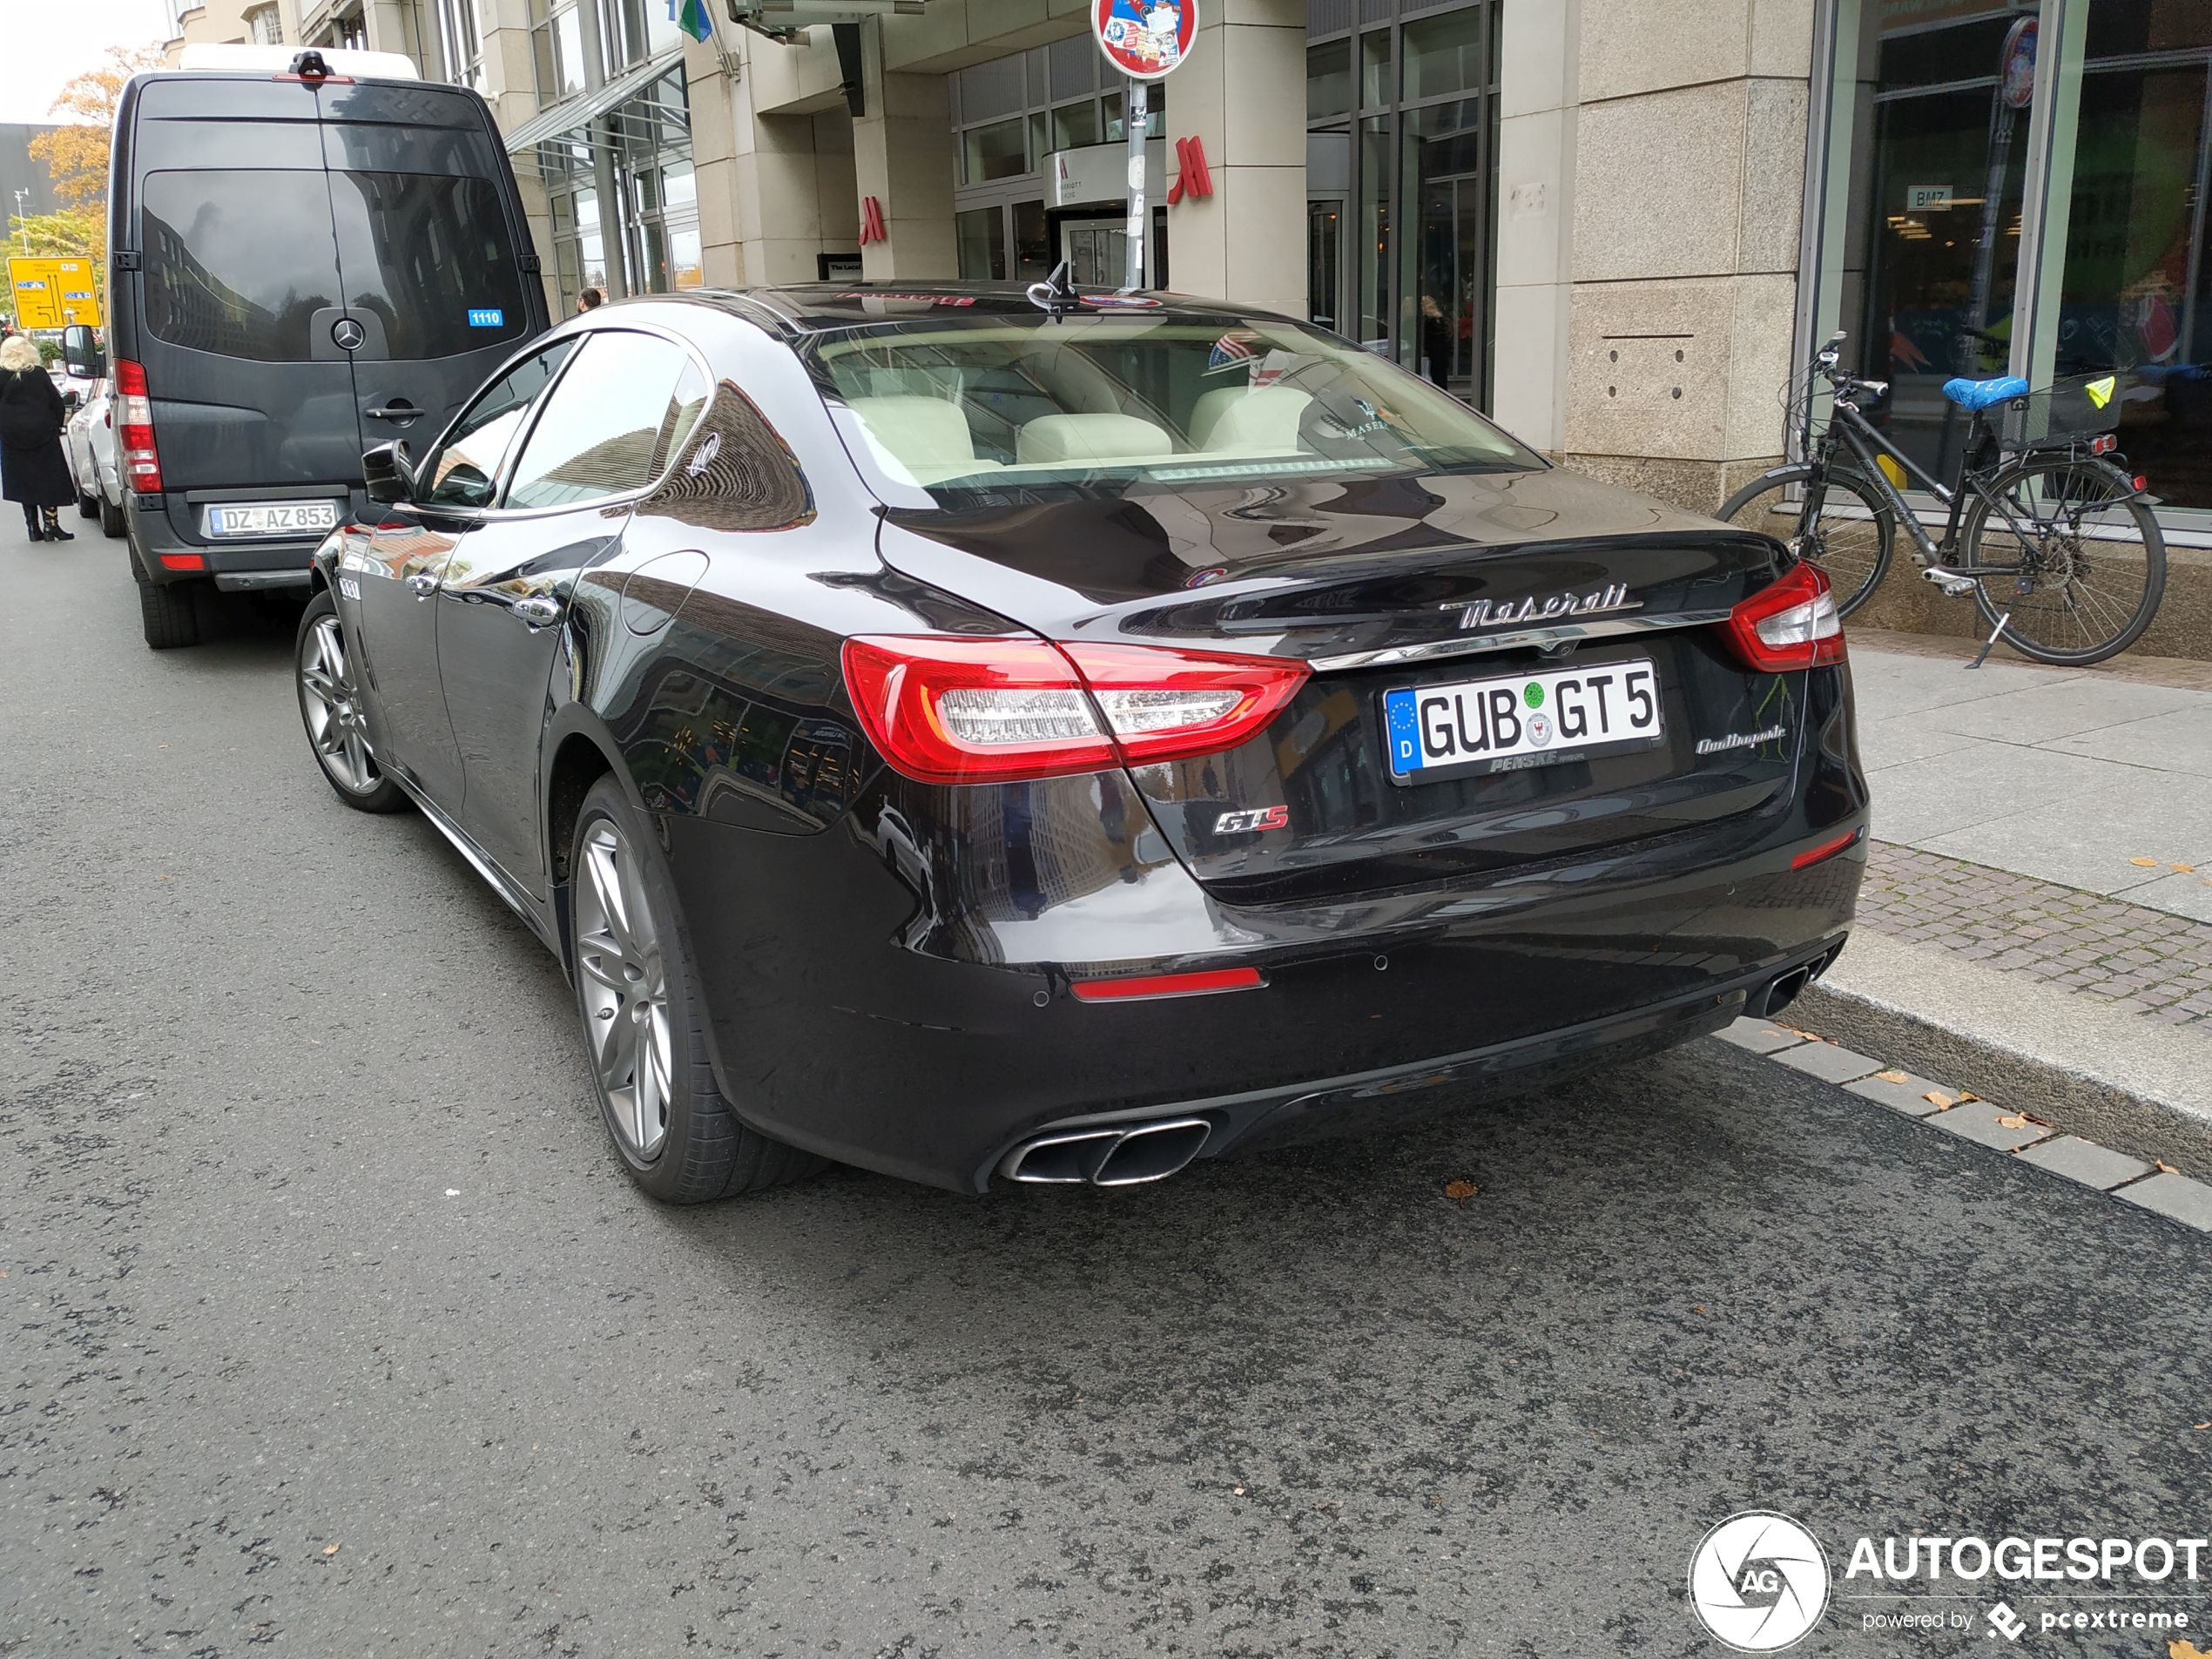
<point x="1689" y="167"/>
<point x="902" y="155"/>
<point x="1241" y="92"/>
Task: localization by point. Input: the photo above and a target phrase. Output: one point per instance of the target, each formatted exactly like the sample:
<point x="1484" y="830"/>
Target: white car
<point x="90" y="440"/>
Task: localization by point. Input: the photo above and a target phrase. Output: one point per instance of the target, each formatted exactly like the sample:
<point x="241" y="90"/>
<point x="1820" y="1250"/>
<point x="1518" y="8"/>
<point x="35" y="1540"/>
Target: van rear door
<point x="239" y="292"/>
<point x="430" y="249"/>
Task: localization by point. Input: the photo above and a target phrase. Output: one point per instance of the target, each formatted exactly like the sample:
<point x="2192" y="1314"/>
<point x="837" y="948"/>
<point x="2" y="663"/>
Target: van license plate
<point x="1494" y="725"/>
<point x="272" y="518"/>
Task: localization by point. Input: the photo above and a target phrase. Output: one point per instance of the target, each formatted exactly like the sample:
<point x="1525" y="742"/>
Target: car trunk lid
<point x="1543" y="589"/>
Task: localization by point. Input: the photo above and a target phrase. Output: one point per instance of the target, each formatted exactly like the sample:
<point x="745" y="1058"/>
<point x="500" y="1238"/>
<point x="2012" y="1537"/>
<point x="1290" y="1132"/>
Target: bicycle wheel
<point x="1852" y="546"/>
<point x="2084" y="563"/>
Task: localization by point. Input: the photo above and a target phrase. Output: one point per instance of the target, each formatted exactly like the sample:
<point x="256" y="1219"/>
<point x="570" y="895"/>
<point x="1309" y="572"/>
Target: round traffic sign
<point x="1145" y="38"/>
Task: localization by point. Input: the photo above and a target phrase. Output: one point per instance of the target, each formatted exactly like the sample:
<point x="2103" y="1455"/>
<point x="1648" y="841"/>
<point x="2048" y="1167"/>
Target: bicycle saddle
<point x="1981" y="394"/>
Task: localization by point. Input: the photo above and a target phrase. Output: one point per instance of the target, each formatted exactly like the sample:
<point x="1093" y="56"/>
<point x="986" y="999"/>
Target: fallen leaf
<point x="2013" y="1121"/>
<point x="1965" y="1094"/>
<point x="1700" y="1308"/>
<point x="2185" y="869"/>
<point x="2200" y="1428"/>
<point x="1938" y="1099"/>
<point x="1237" y="1492"/>
<point x="2181" y="1648"/>
<point x="2144" y="864"/>
<point x="1891" y="1077"/>
<point x="1456" y="1190"/>
<point x="330" y="1549"/>
<point x="2165" y="1168"/>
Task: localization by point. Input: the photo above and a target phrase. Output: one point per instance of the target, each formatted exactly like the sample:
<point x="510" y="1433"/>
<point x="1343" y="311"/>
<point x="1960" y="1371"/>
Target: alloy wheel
<point x="335" y="725"/>
<point x="625" y="986"/>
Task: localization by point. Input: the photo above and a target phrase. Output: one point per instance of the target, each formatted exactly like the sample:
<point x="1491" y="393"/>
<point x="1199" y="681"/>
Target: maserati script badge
<point x="1492" y="613"/>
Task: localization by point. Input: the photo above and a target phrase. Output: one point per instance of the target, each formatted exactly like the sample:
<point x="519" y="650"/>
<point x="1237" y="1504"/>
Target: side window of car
<point x="464" y="470"/>
<point x="602" y="428"/>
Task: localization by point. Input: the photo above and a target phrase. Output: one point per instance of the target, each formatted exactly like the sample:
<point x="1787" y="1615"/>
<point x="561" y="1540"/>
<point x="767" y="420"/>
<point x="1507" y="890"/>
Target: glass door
<point x="1325" y="257"/>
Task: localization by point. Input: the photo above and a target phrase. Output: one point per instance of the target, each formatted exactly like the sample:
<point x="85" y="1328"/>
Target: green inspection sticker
<point x="1533" y="697"/>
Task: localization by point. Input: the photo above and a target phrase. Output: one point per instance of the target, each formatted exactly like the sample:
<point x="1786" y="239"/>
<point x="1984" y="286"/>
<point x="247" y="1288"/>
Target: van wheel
<point x="111" y="522"/>
<point x="86" y="506"/>
<point x="165" y="613"/>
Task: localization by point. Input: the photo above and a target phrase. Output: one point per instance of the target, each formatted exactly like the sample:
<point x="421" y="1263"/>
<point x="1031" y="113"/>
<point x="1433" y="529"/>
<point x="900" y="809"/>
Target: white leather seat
<point x="1249" y="420"/>
<point x="927" y="435"/>
<point x="1062" y="440"/>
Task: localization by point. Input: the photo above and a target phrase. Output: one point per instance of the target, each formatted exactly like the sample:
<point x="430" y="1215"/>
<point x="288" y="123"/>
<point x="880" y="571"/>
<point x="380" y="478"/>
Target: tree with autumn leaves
<point x="76" y="156"/>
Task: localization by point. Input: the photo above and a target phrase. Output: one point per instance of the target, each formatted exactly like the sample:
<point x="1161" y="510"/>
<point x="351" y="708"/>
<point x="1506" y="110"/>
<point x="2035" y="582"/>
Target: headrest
<point x="1079" y="438"/>
<point x="919" y="431"/>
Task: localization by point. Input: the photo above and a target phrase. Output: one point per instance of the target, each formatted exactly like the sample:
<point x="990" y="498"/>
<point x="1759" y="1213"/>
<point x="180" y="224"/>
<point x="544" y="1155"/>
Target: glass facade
<point x="2019" y="188"/>
<point x="1008" y="116"/>
<point x="622" y="194"/>
<point x="1401" y="176"/>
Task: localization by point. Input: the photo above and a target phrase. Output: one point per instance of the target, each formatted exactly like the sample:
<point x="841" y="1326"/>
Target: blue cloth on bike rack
<point x="1981" y="394"/>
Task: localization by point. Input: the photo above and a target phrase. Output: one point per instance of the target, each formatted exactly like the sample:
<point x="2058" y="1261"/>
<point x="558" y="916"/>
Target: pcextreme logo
<point x="1758" y="1582"/>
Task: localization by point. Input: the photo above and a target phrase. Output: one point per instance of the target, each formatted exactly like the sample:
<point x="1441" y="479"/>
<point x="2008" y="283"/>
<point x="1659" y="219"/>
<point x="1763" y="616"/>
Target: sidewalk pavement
<point x="2037" y="916"/>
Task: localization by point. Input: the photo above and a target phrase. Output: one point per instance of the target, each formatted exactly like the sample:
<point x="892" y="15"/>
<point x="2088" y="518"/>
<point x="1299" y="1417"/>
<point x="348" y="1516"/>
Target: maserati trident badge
<point x="1557" y="607"/>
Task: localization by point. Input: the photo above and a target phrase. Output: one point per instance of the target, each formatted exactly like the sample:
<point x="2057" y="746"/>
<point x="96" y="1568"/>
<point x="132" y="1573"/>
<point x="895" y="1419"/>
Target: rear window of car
<point x="1119" y="404"/>
<point x="239" y="262"/>
<point x="432" y="256"/>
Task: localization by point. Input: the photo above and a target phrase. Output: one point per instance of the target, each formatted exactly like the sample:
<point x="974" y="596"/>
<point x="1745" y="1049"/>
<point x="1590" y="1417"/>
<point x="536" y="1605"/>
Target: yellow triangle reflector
<point x="2100" y="391"/>
<point x="1891" y="470"/>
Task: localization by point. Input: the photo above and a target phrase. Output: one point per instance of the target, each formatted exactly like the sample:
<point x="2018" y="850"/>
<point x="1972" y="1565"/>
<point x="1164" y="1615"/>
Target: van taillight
<point x="141" y="461"/>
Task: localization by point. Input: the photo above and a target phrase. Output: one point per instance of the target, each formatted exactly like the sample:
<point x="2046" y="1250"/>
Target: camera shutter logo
<point x="1758" y="1582"/>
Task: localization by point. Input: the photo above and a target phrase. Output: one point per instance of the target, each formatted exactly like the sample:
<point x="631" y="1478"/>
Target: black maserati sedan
<point x="984" y="737"/>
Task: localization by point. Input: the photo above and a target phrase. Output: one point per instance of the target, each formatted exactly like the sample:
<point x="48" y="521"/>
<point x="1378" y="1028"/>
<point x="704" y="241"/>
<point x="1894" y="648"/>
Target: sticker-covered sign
<point x="1145" y="38"/>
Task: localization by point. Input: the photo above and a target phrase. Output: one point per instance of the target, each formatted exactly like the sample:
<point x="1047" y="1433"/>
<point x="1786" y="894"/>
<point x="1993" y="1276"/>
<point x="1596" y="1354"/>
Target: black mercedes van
<point x="305" y="266"/>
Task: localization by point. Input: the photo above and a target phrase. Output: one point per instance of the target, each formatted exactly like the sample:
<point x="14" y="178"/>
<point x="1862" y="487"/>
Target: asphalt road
<point x="330" y="1324"/>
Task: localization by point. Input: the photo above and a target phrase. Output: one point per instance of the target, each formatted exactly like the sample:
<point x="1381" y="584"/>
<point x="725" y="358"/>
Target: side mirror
<point x="388" y="474"/>
<point x="82" y="353"/>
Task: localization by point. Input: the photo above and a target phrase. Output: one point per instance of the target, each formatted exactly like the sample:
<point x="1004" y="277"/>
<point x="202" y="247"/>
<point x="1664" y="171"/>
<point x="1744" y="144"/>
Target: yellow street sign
<point x="52" y="294"/>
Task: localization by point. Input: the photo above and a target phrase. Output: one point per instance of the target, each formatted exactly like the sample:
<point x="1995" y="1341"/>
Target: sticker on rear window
<point x="488" y="318"/>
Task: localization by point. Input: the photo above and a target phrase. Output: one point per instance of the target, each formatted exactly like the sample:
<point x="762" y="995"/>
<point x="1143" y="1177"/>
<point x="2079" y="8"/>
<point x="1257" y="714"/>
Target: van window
<point x="434" y="257"/>
<point x="239" y="262"/>
<point x="597" y="434"/>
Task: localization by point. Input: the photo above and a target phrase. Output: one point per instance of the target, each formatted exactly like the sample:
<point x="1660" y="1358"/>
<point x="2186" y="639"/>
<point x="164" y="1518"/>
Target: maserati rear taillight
<point x="1790" y="624"/>
<point x="997" y="709"/>
<point x="141" y="461"/>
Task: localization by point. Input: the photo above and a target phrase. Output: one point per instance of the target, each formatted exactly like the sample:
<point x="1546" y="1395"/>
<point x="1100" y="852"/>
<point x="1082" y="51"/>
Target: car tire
<point x="111" y="521"/>
<point x="330" y="698"/>
<point x="87" y="506"/>
<point x="643" y="1024"/>
<point x="166" y="613"/>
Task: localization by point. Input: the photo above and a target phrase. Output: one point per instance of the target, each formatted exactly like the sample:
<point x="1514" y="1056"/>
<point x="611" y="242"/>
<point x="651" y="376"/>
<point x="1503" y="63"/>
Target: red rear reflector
<point x="183" y="562"/>
<point x="2103" y="444"/>
<point x="1790" y="624"/>
<point x="1198" y="984"/>
<point x="1000" y="709"/>
<point x="2140" y="481"/>
<point x="1813" y="855"/>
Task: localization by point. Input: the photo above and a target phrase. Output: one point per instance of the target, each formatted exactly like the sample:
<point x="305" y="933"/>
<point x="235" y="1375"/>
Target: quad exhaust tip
<point x="1117" y="1156"/>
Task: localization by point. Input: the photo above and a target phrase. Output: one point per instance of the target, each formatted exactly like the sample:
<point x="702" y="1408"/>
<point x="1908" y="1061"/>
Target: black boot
<point x="33" y="525"/>
<point x="54" y="531"/>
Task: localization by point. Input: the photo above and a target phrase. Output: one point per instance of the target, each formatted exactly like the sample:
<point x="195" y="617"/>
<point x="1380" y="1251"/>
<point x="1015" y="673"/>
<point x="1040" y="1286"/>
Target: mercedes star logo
<point x="348" y="333"/>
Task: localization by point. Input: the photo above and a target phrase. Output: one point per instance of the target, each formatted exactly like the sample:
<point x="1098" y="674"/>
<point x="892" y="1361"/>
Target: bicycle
<point x="2040" y="482"/>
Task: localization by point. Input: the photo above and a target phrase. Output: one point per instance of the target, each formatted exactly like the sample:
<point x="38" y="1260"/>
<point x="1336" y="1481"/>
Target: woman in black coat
<point x="33" y="470"/>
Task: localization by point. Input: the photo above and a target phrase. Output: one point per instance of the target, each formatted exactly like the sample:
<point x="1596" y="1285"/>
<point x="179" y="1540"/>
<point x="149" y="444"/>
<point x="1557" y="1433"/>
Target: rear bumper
<point x="154" y="524"/>
<point x="833" y="1034"/>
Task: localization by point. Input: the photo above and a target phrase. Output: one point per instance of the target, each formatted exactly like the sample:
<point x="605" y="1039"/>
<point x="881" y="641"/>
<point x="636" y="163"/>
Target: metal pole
<point x="1134" y="115"/>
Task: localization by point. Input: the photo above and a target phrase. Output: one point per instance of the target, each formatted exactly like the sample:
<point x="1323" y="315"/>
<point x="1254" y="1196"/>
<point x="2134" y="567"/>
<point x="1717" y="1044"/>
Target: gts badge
<point x="1257" y="818"/>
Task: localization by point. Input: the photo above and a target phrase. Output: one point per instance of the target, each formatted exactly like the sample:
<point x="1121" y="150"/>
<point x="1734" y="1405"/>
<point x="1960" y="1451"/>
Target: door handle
<point x="402" y="411"/>
<point x="539" y="610"/>
<point x="422" y="585"/>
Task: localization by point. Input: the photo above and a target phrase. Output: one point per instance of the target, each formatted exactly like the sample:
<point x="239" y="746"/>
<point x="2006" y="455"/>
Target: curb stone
<point x="2155" y="1187"/>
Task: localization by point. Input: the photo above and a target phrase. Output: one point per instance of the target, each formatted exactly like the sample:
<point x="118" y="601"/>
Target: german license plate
<point x="1521" y="720"/>
<point x="272" y="518"/>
